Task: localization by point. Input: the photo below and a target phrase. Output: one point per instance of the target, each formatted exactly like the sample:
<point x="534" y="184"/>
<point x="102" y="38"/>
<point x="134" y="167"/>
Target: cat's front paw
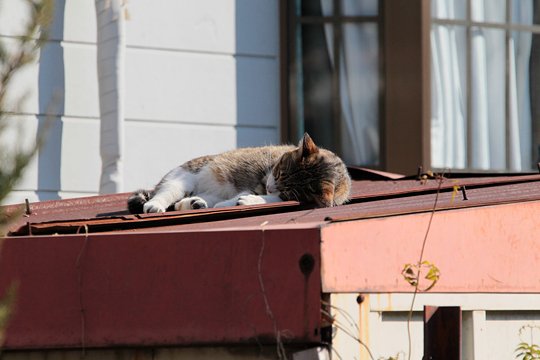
<point x="191" y="203"/>
<point x="250" y="200"/>
<point x="153" y="207"/>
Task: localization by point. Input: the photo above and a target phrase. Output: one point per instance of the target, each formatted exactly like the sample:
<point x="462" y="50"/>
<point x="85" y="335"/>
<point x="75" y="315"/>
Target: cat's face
<point x="306" y="174"/>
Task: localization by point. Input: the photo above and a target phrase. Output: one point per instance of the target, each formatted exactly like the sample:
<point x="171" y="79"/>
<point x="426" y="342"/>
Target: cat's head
<point x="310" y="174"/>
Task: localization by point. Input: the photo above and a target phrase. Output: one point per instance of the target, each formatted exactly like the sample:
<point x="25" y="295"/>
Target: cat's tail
<point x="137" y="200"/>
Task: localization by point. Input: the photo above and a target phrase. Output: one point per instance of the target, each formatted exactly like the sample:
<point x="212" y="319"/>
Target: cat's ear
<point x="307" y="147"/>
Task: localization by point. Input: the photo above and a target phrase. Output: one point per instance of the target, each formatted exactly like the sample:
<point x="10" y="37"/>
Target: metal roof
<point x="90" y="274"/>
<point x="389" y="195"/>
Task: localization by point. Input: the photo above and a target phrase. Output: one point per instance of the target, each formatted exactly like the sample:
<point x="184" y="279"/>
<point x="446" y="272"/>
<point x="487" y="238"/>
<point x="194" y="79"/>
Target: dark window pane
<point x="314" y="96"/>
<point x="314" y="7"/>
<point x="338" y="96"/>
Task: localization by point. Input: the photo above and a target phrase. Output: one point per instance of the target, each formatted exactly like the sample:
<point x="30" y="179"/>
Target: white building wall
<point x="201" y="77"/>
<point x="491" y="324"/>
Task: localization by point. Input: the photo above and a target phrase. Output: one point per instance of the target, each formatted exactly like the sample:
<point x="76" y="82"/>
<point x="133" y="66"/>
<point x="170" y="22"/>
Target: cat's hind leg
<point x="173" y="187"/>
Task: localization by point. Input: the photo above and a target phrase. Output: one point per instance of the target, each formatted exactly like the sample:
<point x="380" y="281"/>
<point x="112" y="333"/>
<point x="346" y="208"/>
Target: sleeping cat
<point x="246" y="176"/>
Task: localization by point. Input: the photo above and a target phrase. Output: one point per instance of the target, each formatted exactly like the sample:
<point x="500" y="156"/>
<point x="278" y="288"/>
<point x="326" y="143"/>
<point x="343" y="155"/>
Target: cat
<point x="247" y="176"/>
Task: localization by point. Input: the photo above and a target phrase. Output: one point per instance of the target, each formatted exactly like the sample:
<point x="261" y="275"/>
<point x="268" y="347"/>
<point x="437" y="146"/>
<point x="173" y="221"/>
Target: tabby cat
<point x="246" y="176"/>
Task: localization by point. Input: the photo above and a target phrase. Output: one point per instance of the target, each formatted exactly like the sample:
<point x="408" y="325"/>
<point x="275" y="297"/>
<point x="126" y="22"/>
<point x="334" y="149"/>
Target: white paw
<point x="190" y="203"/>
<point x="153" y="207"/>
<point x="250" y="200"/>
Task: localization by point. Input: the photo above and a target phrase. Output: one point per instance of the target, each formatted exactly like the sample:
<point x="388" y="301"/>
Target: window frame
<point x="404" y="65"/>
<point x="290" y="131"/>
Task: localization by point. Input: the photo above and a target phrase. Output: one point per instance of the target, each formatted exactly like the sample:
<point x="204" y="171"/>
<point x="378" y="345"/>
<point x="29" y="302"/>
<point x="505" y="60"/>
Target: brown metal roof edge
<point x="433" y="185"/>
<point x="439" y="208"/>
<point x="126" y="222"/>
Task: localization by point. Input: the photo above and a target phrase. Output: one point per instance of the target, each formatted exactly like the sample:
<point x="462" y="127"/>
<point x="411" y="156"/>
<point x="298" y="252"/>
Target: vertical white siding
<point x="201" y="77"/>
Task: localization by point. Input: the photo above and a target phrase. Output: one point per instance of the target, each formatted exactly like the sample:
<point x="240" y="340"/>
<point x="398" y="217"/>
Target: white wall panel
<point x="154" y="149"/>
<point x="20" y="134"/>
<point x="502" y="332"/>
<point x="69" y="159"/>
<point x="79" y="23"/>
<point x="62" y="81"/>
<point x="13" y="17"/>
<point x="491" y="323"/>
<point x="201" y="78"/>
<point x="180" y="87"/>
<point x="72" y="20"/>
<point x="81" y="162"/>
<point x="81" y="96"/>
<point x="23" y="85"/>
<point x="18" y="196"/>
<point x="202" y="25"/>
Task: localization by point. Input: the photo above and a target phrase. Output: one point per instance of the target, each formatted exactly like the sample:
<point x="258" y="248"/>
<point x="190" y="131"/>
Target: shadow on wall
<point x="51" y="88"/>
<point x="257" y="72"/>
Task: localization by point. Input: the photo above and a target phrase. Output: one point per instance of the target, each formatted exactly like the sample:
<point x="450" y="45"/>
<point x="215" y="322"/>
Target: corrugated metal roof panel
<point x="369" y="199"/>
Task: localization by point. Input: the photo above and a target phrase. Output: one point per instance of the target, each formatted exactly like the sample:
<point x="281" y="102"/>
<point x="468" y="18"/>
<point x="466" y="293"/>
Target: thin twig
<point x="343" y="312"/>
<point x="336" y="352"/>
<point x="280" y="349"/>
<point x="343" y="328"/>
<point x="417" y="284"/>
<point x="78" y="266"/>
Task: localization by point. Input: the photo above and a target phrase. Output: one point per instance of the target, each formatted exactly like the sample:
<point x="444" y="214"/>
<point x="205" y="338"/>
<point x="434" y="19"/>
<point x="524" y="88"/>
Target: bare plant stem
<point x="78" y="266"/>
<point x="342" y="327"/>
<point x="417" y="284"/>
<point x="280" y="349"/>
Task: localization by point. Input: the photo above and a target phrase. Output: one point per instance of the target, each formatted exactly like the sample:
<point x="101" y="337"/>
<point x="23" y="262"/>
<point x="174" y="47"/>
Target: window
<point x="397" y="84"/>
<point x="485" y="84"/>
<point x="334" y="74"/>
